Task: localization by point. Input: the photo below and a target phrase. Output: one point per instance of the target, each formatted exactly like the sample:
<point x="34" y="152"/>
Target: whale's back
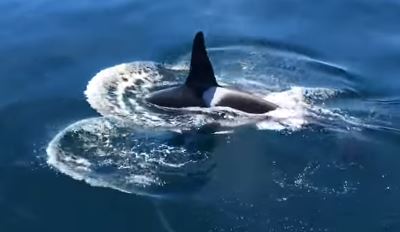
<point x="219" y="96"/>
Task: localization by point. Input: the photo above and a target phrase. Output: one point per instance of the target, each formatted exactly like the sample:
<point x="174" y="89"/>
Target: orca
<point x="201" y="88"/>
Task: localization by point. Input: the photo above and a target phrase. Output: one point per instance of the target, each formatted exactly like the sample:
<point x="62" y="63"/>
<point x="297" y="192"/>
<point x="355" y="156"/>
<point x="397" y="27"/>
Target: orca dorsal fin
<point x="201" y="74"/>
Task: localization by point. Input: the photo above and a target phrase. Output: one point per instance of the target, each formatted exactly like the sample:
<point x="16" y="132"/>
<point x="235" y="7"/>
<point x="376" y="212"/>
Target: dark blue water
<point x="338" y="172"/>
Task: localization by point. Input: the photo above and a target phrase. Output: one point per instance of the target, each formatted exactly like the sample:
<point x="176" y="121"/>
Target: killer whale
<point x="202" y="89"/>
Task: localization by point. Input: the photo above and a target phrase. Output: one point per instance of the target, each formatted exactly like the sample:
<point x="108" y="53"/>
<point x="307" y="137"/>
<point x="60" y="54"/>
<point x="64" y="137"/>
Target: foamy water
<point x="133" y="148"/>
<point x="106" y="152"/>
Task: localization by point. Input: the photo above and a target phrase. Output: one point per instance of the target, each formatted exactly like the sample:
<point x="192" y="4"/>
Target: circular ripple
<point x="138" y="148"/>
<point x="120" y="91"/>
<point x="110" y="153"/>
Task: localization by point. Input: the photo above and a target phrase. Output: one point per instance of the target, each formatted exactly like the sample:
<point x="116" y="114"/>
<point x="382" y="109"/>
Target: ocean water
<point x="81" y="151"/>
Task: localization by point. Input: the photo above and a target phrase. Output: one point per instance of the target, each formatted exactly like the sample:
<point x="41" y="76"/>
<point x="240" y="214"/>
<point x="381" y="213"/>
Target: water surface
<point x="329" y="164"/>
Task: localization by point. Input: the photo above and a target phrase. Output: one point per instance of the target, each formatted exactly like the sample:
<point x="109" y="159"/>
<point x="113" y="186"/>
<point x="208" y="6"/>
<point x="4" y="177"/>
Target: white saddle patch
<point x="213" y="95"/>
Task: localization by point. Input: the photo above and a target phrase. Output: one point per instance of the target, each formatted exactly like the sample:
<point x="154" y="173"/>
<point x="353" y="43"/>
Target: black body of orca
<point x="201" y="88"/>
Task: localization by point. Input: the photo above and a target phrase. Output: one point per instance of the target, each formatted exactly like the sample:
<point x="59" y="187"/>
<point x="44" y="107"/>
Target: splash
<point x="140" y="148"/>
<point x="120" y="91"/>
<point x="105" y="152"/>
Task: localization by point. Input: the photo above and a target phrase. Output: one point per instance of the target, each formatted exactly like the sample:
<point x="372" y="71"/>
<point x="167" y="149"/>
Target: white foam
<point x="107" y="153"/>
<point x="116" y="92"/>
<point x="291" y="113"/>
<point x="133" y="163"/>
<point x="77" y="167"/>
<point x="107" y="89"/>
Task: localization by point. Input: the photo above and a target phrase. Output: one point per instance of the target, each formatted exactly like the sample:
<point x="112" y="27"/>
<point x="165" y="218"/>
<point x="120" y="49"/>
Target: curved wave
<point x="109" y="153"/>
<point x="140" y="148"/>
<point x="119" y="91"/>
